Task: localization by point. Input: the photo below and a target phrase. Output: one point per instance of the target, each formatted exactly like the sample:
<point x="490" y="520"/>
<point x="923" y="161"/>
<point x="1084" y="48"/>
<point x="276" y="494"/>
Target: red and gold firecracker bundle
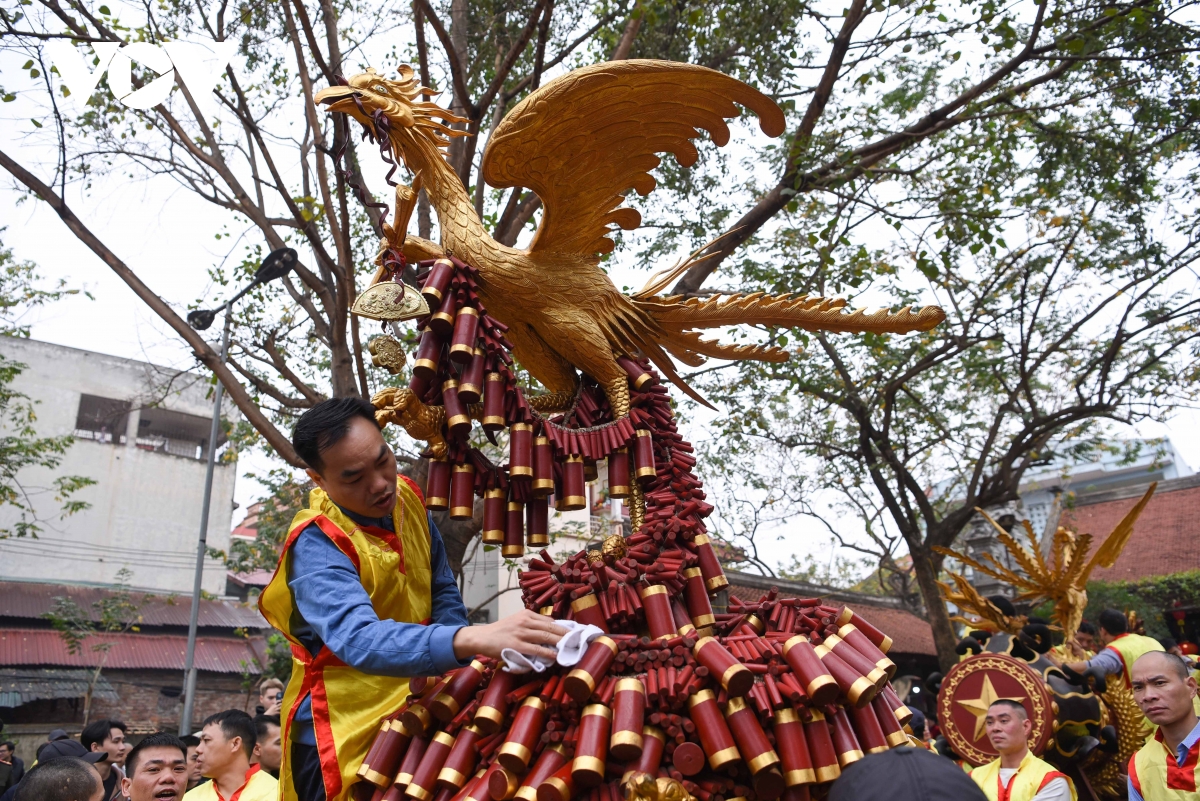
<point x="767" y="700"/>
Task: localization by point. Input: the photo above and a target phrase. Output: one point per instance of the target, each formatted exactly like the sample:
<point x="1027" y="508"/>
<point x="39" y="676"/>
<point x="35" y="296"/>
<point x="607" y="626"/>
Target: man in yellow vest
<point x="366" y="597"/>
<point x="1017" y="775"/>
<point x="226" y="743"/>
<point x="1121" y="648"/>
<point x="1167" y="768"/>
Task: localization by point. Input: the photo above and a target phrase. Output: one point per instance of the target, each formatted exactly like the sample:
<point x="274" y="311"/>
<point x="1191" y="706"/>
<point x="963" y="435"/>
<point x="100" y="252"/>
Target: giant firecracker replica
<point x="674" y="701"/>
<point x="1086" y="728"/>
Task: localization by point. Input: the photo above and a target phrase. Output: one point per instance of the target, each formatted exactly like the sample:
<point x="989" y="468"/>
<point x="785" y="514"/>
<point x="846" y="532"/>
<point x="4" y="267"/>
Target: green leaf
<point x="36" y="124"/>
<point x="27" y="64"/>
<point x="104" y="10"/>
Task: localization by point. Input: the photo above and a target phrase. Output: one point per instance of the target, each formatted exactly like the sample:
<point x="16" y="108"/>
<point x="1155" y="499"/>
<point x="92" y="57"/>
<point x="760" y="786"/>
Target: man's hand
<point x="275" y="706"/>
<point x="527" y="632"/>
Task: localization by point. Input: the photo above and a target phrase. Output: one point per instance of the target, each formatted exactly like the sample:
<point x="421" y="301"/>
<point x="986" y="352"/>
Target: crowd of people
<point x="233" y="755"/>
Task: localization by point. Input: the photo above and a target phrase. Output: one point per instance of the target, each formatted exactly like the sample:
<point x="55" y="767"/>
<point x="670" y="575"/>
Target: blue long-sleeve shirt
<point x="318" y="573"/>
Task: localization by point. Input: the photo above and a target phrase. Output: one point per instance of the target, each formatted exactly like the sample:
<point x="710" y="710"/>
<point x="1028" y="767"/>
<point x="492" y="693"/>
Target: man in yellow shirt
<point x="1166" y="767"/>
<point x="226" y="743"/>
<point x="1017" y="775"/>
<point x="1121" y="648"/>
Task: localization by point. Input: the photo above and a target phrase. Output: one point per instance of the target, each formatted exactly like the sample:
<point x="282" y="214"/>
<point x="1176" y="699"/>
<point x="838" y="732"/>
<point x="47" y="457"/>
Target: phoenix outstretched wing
<point x="583" y="139"/>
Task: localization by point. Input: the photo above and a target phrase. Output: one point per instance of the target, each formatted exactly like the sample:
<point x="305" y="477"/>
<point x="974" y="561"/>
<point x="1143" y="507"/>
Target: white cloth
<point x="1055" y="790"/>
<point x="571" y="647"/>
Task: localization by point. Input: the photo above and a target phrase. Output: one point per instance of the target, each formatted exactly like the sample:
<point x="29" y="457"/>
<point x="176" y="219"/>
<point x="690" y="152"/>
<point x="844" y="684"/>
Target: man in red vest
<point x="1167" y="768"/>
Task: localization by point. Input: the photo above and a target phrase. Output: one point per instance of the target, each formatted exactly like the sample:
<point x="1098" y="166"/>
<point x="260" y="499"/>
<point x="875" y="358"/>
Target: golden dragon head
<point x="412" y="120"/>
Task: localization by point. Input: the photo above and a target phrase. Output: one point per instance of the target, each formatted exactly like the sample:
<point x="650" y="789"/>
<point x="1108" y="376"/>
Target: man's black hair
<point x="99" y="731"/>
<point x="1015" y="705"/>
<point x="235" y="723"/>
<point x="10" y="745"/>
<point x="189" y="740"/>
<point x="1178" y="666"/>
<point x="1167" y="643"/>
<point x="62" y="779"/>
<point x="1088" y="628"/>
<point x="1113" y="621"/>
<point x="160" y="739"/>
<point x="324" y="425"/>
<point x="261" y="722"/>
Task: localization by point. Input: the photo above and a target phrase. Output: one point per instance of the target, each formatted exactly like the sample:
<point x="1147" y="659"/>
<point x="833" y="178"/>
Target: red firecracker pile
<point x="767" y="700"/>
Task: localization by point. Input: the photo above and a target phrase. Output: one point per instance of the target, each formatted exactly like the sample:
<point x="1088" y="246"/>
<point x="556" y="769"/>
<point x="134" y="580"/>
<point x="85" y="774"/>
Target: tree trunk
<point x="935" y="607"/>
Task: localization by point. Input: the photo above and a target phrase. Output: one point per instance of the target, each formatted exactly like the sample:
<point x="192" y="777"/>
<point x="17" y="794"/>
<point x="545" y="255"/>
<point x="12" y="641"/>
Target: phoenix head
<point x="412" y="118"/>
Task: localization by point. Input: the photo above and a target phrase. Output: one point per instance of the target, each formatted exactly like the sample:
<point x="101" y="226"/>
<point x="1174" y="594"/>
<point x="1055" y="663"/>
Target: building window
<point x="159" y="430"/>
<point x="102" y="419"/>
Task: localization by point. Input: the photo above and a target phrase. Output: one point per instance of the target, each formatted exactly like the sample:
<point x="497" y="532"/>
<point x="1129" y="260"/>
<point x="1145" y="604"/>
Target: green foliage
<point x="838" y="571"/>
<point x="279" y="658"/>
<point x="1152" y="598"/>
<point x="284" y="497"/>
<point x="21" y="447"/>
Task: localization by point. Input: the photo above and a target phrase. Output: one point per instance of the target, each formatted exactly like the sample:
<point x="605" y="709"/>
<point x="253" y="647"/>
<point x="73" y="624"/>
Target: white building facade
<point x="141" y="434"/>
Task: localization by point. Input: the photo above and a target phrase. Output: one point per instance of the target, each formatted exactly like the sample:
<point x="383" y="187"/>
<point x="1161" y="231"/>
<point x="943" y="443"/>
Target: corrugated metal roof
<point x="44" y="647"/>
<point x="33" y="600"/>
<point x="22" y="685"/>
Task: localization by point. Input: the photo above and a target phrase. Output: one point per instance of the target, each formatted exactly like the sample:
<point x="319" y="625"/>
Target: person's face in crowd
<point x="194" y="774"/>
<point x="216" y="753"/>
<point x="1086" y="641"/>
<point x="5" y="754"/>
<point x="117" y="740"/>
<point x="1160" y="693"/>
<point x="1176" y="650"/>
<point x="270" y="695"/>
<point x="359" y="471"/>
<point x="1007" y="729"/>
<point x="270" y="751"/>
<point x="161" y="775"/>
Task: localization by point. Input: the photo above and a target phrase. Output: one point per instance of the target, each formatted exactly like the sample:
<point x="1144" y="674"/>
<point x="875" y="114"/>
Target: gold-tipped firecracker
<point x="591" y="749"/>
<point x="815" y="679"/>
<point x="441" y="322"/>
<point x="868" y="729"/>
<point x="424" y="778"/>
<point x="559" y="787"/>
<point x="495" y="503"/>
<point x="493" y="403"/>
<point x="820" y="747"/>
<point x="586" y="609"/>
<point x="695" y="594"/>
<point x="537" y="522"/>
<point x="881" y="640"/>
<point x="574" y="486"/>
<point x="618" y="473"/>
<point x="581" y="682"/>
<point x="793" y="749"/>
<point x="514" y="531"/>
<point x="470" y="388"/>
<point x="755" y="749"/>
<point x="462" y="492"/>
<point x="437" y="496"/>
<point x="653" y="744"/>
<point x="551" y="759"/>
<point x="543" y="467"/>
<point x="449" y="701"/>
<point x="731" y="673"/>
<point x="489" y="717"/>
<point x="520" y="450"/>
<point x="861" y="664"/>
<point x="437" y="282"/>
<point x="526" y="730"/>
<point x="412" y="758"/>
<point x="643" y="457"/>
<point x="710" y="567"/>
<point x="861" y="643"/>
<point x="845" y="742"/>
<point x="458" y="422"/>
<point x="857" y="688"/>
<point x="460" y="762"/>
<point x="657" y="607"/>
<point x="629" y="714"/>
<point x="383" y="758"/>
<point x="715" y="737"/>
<point x="462" y="341"/>
<point x="893" y="732"/>
<point x="502" y="785"/>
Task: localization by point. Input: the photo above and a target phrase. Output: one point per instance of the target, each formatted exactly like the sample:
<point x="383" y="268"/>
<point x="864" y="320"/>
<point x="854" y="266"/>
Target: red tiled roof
<point x="44" y="647"/>
<point x="910" y="634"/>
<point x="33" y="600"/>
<point x="255" y="578"/>
<point x="1165" y="539"/>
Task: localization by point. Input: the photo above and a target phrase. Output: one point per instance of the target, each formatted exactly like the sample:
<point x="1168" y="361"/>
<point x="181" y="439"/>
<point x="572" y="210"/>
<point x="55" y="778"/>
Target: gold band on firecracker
<point x="892" y="731"/>
<point x="695" y="596"/>
<point x="751" y="740"/>
<point x="514" y="531"/>
<point x="462" y="491"/>
<point x="629" y="714"/>
<point x="852" y="657"/>
<point x="820" y="744"/>
<point x="618" y="473"/>
<point x="857" y="688"/>
<point x="461" y="759"/>
<point x="657" y="606"/>
<point x="502" y="785"/>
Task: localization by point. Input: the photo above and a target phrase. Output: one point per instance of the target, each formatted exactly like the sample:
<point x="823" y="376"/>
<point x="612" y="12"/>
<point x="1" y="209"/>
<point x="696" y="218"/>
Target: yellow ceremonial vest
<point x="259" y="786"/>
<point x="1032" y="776"/>
<point x="348" y="705"/>
<point x="1129" y="647"/>
<point x="1154" y="773"/>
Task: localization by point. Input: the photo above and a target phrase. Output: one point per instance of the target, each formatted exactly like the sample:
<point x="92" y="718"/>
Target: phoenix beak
<point x="339" y="98"/>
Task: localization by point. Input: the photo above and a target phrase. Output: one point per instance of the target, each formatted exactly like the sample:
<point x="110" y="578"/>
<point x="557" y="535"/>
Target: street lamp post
<point x="275" y="265"/>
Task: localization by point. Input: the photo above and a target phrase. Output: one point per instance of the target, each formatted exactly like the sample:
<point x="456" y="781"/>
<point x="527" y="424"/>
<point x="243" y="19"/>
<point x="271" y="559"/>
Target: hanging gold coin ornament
<point x="387" y="353"/>
<point x="602" y="357"/>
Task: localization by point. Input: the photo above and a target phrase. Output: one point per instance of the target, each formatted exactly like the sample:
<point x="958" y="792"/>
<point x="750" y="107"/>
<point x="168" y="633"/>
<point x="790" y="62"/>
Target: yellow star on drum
<point x="979" y="706"/>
